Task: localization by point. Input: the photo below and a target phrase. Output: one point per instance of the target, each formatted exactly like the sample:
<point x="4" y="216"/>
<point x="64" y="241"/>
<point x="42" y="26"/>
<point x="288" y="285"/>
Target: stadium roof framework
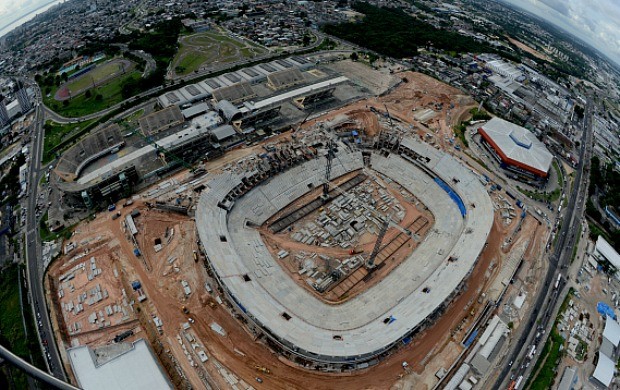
<point x="235" y="93"/>
<point x="134" y="367"/>
<point x="517" y="146"/>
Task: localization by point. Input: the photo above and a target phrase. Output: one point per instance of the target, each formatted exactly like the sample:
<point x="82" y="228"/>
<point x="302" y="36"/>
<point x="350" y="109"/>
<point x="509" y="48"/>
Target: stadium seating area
<point x="87" y="150"/>
<point x="285" y="79"/>
<point x="235" y="93"/>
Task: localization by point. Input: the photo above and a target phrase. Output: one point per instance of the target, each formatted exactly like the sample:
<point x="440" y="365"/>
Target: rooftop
<point x="612" y="331"/>
<point x="603" y="248"/>
<point x="604" y="371"/>
<point x="517" y="144"/>
<point x="118" y="366"/>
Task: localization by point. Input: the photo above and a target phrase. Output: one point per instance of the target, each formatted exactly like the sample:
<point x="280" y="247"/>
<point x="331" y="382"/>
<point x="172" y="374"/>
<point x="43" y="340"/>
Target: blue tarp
<point x="471" y="338"/>
<point x="604" y="310"/>
<point x="455" y="197"/>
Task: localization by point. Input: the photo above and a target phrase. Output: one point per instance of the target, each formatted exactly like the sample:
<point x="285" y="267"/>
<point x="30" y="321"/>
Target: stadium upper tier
<point x="87" y="150"/>
<point x="354" y="331"/>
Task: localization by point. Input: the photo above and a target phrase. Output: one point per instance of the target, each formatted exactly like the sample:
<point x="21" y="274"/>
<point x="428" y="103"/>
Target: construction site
<point x="362" y="248"/>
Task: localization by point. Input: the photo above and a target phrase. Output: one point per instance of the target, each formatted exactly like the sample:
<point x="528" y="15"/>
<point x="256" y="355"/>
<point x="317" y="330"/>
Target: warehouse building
<point x="517" y="149"/>
<point x="606" y="254"/>
<point x="118" y="366"/>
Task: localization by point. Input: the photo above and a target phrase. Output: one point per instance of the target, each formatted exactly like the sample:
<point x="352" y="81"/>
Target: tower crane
<point x="387" y="221"/>
<point x="328" y="169"/>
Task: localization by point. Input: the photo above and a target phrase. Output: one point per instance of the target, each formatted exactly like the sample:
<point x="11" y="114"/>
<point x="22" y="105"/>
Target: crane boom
<point x="328" y="168"/>
<point x="375" y="250"/>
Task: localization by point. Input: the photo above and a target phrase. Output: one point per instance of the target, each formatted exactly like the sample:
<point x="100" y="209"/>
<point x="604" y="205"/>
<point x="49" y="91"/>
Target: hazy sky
<point x="12" y="10"/>
<point x="595" y="21"/>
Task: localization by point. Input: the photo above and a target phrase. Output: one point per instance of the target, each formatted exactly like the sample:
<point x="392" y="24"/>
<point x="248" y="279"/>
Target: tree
<point x="306" y="40"/>
<point x="88" y="94"/>
<point x="354" y="56"/>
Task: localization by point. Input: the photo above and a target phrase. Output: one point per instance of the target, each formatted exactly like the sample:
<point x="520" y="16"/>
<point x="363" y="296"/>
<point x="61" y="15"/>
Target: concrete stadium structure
<point x="83" y="173"/>
<point x="516" y="148"/>
<point x="367" y="327"/>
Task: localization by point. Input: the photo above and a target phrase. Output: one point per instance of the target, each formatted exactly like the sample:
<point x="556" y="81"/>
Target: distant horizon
<point x="563" y="14"/>
<point x="595" y="22"/>
<point x="23" y="13"/>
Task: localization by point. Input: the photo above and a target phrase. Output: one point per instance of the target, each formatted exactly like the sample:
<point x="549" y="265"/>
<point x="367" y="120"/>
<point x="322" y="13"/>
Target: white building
<point x="611" y="338"/>
<point x="118" y="366"/>
<point x="604" y="371"/>
<point x="604" y="252"/>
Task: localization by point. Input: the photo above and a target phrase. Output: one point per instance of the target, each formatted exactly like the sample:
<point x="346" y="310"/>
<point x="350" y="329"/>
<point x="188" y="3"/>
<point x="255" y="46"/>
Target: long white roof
<point x="608" y="252"/>
<point x="518" y="144"/>
<point x="612" y="331"/>
<point x="604" y="371"/>
<point x="299" y="92"/>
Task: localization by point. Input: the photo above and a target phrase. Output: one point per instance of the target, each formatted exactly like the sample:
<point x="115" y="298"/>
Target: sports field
<point x="211" y="48"/>
<point x="100" y="75"/>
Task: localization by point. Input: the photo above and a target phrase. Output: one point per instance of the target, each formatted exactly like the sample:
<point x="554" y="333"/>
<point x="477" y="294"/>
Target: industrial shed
<point x="122" y="366"/>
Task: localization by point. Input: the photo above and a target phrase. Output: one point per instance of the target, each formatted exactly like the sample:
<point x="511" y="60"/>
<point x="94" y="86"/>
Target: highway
<point x="34" y="258"/>
<point x="516" y="364"/>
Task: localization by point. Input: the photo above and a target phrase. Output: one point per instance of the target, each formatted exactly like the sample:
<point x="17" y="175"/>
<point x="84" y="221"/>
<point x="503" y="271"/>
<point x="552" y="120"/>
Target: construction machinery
<point x="387" y="221"/>
<point x="300" y="124"/>
<point x="262" y="369"/>
<point x="328" y="169"/>
<point x="355" y="251"/>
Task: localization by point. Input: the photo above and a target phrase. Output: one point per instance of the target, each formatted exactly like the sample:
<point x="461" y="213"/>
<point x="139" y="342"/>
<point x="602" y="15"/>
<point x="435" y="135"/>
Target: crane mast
<point x="328" y="169"/>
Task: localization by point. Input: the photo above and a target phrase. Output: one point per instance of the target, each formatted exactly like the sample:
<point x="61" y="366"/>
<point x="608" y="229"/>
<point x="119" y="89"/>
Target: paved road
<point x="516" y="362"/>
<point x="34" y="258"/>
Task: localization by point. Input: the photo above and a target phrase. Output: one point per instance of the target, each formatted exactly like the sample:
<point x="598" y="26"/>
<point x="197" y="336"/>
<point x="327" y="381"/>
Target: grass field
<point x="95" y="76"/>
<point x="81" y="105"/>
<point x="11" y="326"/>
<point x="211" y="47"/>
<point x="55" y="133"/>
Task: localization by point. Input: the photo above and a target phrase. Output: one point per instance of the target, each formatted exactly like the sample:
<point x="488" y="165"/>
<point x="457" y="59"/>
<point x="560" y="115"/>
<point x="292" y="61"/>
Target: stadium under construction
<point x="197" y="123"/>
